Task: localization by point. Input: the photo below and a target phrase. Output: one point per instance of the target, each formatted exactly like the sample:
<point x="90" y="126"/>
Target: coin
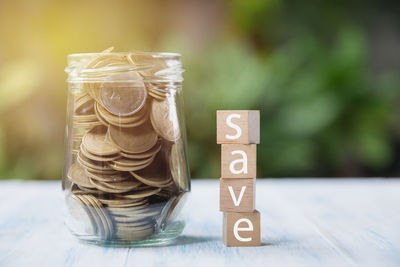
<point x="98" y="158"/>
<point x="177" y="163"/>
<point x="121" y="202"/>
<point x="135" y="235"/>
<point x="107" y="118"/>
<point x="80" y="213"/>
<point x="96" y="142"/>
<point x="111" y="118"/>
<point x="102" y="213"/>
<point x="84" y="106"/>
<point x="135" y="194"/>
<point x="154" y="175"/>
<point x="78" y="176"/>
<point x="149" y="153"/>
<point x="133" y="140"/>
<point x="165" y="120"/>
<point x="93" y="166"/>
<point x="157" y="97"/>
<point x="124" y="97"/>
<point x="104" y="177"/>
<point x="98" y="222"/>
<point x="132" y="162"/>
<point x="154" y="63"/>
<point x="115" y="187"/>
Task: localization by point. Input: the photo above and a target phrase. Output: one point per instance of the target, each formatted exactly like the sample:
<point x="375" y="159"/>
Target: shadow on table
<point x="188" y="239"/>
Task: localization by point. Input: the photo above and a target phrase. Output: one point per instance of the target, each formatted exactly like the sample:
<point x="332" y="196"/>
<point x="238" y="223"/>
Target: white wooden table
<point x="311" y="222"/>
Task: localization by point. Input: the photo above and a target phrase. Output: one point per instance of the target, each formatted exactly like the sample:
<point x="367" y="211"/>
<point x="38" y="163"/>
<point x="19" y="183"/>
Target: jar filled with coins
<point x="125" y="174"/>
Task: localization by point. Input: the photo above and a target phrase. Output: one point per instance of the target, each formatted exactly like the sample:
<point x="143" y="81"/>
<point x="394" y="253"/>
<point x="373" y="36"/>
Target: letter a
<point x="243" y="160"/>
<point x="234" y="126"/>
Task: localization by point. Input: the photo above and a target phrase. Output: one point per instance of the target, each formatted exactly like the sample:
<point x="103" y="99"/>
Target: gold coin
<point x="124" y="97"/>
<point x="135" y="194"/>
<point x="86" y="124"/>
<point x="165" y="120"/>
<point x="96" y="142"/>
<point x="100" y="227"/>
<point x="177" y="164"/>
<point x="84" y="118"/>
<point x="116" y="120"/>
<point x="157" y="92"/>
<point x="79" y="176"/>
<point x="133" y="140"/>
<point x="87" y="190"/>
<point x="133" y="162"/>
<point x="129" y="211"/>
<point x="135" y="235"/>
<point x="102" y="213"/>
<point x="157" y="97"/>
<point x="149" y="153"/>
<point x="154" y="63"/>
<point x="134" y="224"/>
<point x="93" y="166"/>
<point x="127" y="168"/>
<point x="93" y="89"/>
<point x="103" y="177"/>
<point x="100" y="117"/>
<point x="98" y="158"/>
<point x="124" y="203"/>
<point x="156" y="174"/>
<point x="80" y="213"/>
<point x="84" y="105"/>
<point x="115" y="187"/>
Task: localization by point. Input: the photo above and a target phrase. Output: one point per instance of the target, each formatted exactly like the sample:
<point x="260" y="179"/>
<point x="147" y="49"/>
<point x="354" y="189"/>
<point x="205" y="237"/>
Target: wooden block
<point x="241" y="229"/>
<point x="237" y="195"/>
<point x="238" y="126"/>
<point x="238" y="161"/>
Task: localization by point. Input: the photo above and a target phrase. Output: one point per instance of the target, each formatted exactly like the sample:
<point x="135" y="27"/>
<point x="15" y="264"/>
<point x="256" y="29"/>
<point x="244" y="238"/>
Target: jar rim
<point x="157" y="54"/>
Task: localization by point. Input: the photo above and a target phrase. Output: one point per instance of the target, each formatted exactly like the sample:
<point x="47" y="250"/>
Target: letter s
<point x="234" y="126"/>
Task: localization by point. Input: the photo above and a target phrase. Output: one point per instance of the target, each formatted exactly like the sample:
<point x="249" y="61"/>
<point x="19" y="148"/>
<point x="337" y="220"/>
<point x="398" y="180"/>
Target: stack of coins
<point x="129" y="169"/>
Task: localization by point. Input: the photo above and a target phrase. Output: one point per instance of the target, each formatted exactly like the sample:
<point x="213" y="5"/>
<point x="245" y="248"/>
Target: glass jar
<point x="125" y="174"/>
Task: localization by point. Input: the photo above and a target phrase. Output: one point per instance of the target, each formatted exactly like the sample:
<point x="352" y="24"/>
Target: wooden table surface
<point x="304" y="222"/>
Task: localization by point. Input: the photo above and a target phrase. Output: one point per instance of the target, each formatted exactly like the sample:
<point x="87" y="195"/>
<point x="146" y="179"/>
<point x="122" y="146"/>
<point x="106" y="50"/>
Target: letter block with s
<point x="238" y="126"/>
<point x="241" y="229"/>
<point x="238" y="161"/>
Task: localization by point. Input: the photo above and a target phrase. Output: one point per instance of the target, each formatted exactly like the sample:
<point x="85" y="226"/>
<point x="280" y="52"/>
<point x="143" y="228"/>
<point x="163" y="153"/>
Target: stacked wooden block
<point x="238" y="132"/>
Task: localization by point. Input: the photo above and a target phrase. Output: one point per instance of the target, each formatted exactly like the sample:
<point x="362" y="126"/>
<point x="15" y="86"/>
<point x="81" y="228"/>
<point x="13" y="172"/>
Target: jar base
<point x="165" y="237"/>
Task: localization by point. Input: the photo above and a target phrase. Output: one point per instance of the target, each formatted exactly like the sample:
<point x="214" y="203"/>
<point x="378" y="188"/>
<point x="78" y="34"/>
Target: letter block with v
<point x="237" y="194"/>
<point x="238" y="161"/>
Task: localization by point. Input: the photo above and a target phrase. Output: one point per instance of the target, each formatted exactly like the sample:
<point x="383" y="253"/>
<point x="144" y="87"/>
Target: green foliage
<point x="321" y="111"/>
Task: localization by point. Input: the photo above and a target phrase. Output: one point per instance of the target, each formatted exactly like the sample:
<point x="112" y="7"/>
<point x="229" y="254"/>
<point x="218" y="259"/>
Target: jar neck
<point x="162" y="68"/>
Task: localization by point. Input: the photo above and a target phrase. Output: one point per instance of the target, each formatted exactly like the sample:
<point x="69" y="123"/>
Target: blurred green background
<point x="325" y="75"/>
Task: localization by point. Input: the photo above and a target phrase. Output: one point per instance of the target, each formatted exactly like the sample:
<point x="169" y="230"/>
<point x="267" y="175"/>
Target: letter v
<point x="236" y="201"/>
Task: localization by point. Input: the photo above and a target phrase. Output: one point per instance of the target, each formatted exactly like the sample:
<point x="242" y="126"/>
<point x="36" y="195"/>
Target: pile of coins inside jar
<point x="128" y="170"/>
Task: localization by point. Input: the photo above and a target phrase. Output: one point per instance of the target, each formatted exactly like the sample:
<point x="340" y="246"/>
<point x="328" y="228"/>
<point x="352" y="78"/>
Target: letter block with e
<point x="241" y="229"/>
<point x="238" y="127"/>
<point x="238" y="161"/>
<point x="237" y="195"/>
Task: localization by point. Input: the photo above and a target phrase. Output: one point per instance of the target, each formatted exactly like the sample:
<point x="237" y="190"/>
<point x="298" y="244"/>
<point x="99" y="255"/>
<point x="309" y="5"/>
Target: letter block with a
<point x="238" y="127"/>
<point x="238" y="161"/>
<point x="237" y="195"/>
<point x="241" y="229"/>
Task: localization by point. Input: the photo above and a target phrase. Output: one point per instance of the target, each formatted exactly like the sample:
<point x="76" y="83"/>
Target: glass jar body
<point x="125" y="174"/>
